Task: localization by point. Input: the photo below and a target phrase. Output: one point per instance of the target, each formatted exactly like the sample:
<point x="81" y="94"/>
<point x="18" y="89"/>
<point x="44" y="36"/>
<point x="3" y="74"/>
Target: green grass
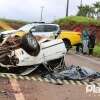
<point x="97" y="50"/>
<point x="77" y="20"/>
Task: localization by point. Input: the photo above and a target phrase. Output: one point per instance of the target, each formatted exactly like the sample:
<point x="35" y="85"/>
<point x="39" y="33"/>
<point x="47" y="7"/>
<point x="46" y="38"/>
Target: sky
<point x="30" y="10"/>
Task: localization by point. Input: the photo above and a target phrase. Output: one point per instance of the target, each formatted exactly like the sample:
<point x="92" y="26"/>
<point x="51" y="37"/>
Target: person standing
<point x="85" y="41"/>
<point x="79" y="45"/>
<point x="92" y="39"/>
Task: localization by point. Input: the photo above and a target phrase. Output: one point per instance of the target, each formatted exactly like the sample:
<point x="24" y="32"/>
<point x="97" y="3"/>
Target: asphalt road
<point x="11" y="89"/>
<point x="83" y="61"/>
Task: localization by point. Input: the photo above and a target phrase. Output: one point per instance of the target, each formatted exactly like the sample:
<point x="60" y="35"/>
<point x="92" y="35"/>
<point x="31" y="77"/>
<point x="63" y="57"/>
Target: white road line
<point x="16" y="87"/>
<point x="89" y="59"/>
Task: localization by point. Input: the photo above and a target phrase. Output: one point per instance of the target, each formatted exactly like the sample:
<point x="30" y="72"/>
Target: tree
<point x="91" y="12"/>
<point x="83" y="10"/>
<point x="97" y="9"/>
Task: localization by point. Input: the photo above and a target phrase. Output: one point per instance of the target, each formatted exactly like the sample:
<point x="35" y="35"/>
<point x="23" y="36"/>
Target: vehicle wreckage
<point x="26" y="53"/>
<point x="29" y="52"/>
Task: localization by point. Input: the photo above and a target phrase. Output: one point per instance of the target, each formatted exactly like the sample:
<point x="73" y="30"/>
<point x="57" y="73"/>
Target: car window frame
<point x="44" y="28"/>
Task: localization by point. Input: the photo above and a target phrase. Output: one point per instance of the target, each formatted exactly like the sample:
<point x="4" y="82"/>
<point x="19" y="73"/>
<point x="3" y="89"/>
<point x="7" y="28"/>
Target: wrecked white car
<point x="31" y="51"/>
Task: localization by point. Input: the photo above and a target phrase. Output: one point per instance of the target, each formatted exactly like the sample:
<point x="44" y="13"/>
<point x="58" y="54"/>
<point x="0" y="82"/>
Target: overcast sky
<point x="30" y="9"/>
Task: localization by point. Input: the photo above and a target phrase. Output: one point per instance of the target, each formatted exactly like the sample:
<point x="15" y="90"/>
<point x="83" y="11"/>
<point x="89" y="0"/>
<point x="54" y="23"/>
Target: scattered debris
<point x="75" y="73"/>
<point x="7" y="49"/>
<point x="6" y="58"/>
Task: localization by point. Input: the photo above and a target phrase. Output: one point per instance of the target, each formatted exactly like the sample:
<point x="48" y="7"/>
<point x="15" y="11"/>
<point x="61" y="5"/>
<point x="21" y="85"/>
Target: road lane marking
<point x="16" y="87"/>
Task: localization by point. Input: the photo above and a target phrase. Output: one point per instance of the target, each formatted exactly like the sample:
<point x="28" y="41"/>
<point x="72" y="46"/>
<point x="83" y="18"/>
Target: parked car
<point x="70" y="38"/>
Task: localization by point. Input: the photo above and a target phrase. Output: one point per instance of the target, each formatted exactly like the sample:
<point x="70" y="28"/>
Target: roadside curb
<point x="50" y="80"/>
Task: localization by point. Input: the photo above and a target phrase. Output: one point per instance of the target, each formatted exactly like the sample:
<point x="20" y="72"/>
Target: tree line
<point x="89" y="11"/>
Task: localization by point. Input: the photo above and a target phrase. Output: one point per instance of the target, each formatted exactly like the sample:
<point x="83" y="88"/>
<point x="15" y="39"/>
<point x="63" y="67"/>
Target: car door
<point x="53" y="49"/>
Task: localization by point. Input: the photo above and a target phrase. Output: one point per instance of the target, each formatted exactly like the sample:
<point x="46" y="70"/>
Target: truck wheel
<point x="80" y="48"/>
<point x="67" y="44"/>
<point x="30" y="44"/>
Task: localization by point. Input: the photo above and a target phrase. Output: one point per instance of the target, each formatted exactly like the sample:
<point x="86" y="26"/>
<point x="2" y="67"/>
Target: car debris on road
<point x="75" y="73"/>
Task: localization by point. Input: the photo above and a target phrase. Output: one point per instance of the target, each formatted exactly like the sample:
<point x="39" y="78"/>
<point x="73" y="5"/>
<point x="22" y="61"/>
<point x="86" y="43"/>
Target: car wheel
<point x="79" y="48"/>
<point x="67" y="44"/>
<point x="30" y="44"/>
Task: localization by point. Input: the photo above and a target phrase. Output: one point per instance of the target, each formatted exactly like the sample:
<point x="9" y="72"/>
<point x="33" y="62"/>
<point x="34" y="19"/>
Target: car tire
<point x="30" y="44"/>
<point x="79" y="48"/>
<point x="67" y="44"/>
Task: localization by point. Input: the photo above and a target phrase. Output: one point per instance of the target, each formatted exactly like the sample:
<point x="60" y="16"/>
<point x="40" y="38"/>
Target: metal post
<point x="81" y="3"/>
<point x="67" y="7"/>
<point x="41" y="13"/>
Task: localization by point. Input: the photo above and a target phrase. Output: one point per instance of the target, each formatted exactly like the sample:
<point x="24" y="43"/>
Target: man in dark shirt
<point x="92" y="39"/>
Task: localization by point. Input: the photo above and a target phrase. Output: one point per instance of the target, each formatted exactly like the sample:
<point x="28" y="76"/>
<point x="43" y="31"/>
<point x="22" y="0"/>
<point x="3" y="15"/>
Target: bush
<point x="78" y="20"/>
<point x="97" y="51"/>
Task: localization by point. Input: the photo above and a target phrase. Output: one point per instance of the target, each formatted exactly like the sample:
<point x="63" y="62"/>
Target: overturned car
<point x="29" y="51"/>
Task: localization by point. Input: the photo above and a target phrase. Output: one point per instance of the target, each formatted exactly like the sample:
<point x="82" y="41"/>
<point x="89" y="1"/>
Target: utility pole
<point x="67" y="8"/>
<point x="41" y="13"/>
<point x="81" y="3"/>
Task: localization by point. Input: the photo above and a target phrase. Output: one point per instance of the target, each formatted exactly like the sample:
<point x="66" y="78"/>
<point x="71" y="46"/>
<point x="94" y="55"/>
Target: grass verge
<point x="97" y="51"/>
